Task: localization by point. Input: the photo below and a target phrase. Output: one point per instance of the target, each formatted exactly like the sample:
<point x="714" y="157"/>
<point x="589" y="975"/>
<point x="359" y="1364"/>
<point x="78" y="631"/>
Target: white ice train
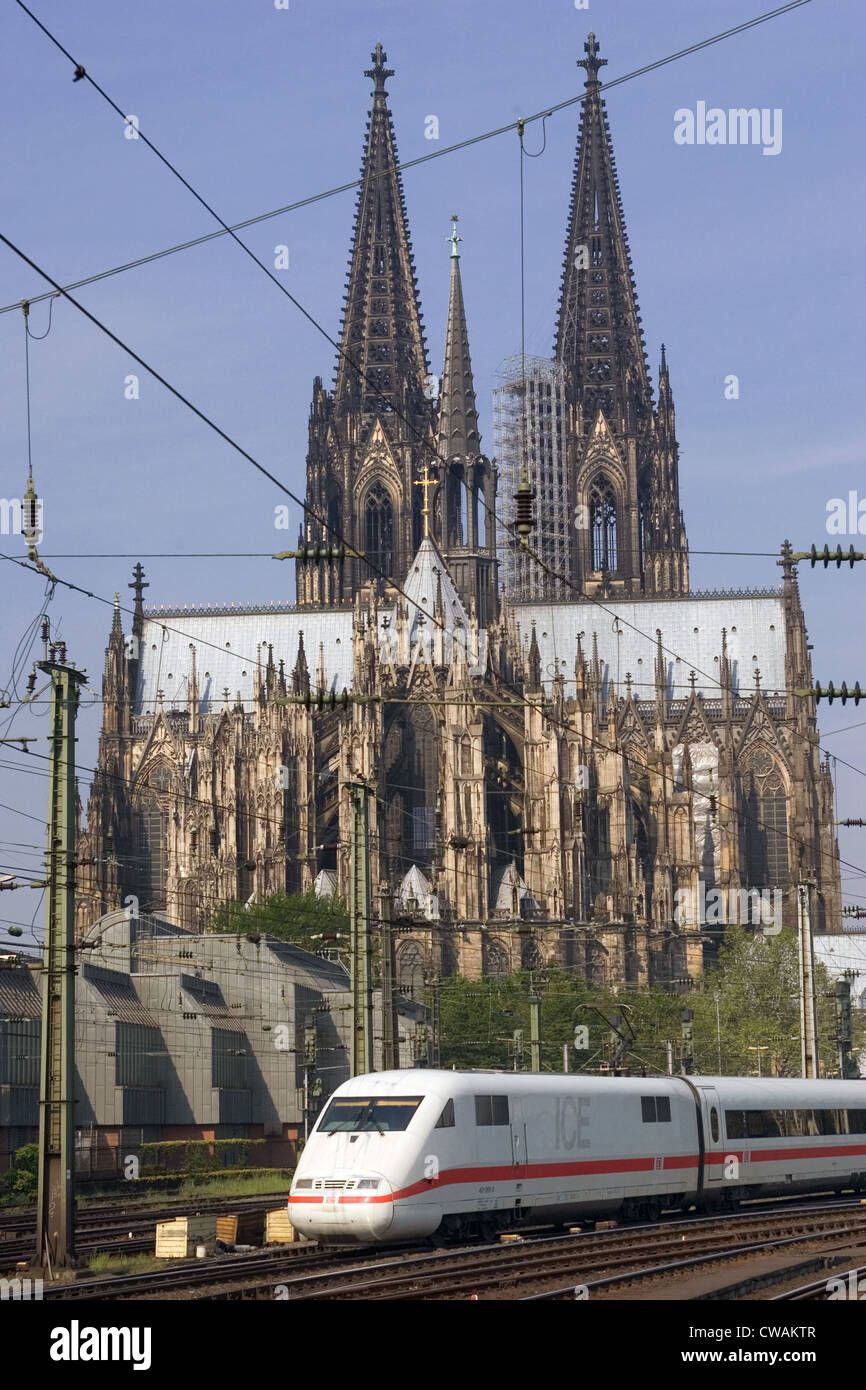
<point x="406" y="1155"/>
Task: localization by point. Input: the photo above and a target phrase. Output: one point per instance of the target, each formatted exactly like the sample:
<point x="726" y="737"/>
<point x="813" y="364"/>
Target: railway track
<point x="600" y="1264"/>
<point x="853" y="1287"/>
<point x="460" y="1271"/>
<point x="131" y="1230"/>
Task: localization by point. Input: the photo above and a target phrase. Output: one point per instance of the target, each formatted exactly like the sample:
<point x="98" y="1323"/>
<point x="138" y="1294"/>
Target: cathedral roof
<point x="226" y="643"/>
<point x="691" y="629"/>
<point x="506" y="882"/>
<point x="427" y="582"/>
<point x="434" y="608"/>
<point x="416" y="891"/>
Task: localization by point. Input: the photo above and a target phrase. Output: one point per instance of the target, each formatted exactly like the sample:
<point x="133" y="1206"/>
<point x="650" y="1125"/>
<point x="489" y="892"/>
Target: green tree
<point x="20" y="1182"/>
<point x="302" y="918"/>
<point x="746" y="1014"/>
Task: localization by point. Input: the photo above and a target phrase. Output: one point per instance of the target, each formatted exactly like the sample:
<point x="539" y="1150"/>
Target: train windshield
<point x="358" y="1113"/>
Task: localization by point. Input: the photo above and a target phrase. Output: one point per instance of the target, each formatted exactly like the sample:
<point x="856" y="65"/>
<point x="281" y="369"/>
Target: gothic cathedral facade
<point x="571" y="779"/>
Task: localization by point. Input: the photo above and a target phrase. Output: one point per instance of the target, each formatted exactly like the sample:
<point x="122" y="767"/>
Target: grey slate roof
<point x="691" y="627"/>
<point x="226" y="640"/>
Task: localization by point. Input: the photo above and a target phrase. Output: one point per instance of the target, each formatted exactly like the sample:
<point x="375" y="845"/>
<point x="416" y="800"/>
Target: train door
<point x="519" y="1156"/>
<point x="714" y="1146"/>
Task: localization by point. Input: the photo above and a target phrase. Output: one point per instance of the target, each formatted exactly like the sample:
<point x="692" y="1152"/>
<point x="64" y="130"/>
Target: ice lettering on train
<point x="572" y="1122"/>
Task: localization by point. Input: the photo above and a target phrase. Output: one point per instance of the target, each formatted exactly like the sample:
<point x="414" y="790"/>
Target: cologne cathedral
<point x="549" y="772"/>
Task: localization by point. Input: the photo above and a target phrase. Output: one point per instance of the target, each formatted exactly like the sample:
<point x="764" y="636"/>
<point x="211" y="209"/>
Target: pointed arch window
<point x="465" y="756"/>
<point x="764" y="822"/>
<point x="602" y="521"/>
<point x="410" y="970"/>
<point x="150" y="832"/>
<point x="379" y="529"/>
<point x="495" y="959"/>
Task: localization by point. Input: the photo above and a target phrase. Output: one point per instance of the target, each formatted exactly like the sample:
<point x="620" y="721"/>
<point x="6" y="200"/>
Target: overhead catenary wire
<point x="580" y="98"/>
<point x="406" y="164"/>
<point x="519" y="125"/>
<point x="721" y="804"/>
<point x="341" y="351"/>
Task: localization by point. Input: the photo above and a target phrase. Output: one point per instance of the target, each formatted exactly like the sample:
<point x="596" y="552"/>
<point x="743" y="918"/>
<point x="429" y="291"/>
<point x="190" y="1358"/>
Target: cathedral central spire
<point x="467" y="496"/>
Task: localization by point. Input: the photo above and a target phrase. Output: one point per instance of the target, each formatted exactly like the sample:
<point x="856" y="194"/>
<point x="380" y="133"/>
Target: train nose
<point x="342" y="1209"/>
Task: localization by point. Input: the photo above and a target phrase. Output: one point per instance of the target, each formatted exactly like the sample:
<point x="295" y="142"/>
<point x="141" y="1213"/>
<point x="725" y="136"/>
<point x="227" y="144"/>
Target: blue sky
<point x="745" y="264"/>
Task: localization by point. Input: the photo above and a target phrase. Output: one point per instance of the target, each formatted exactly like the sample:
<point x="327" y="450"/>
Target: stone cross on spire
<point x="591" y="62"/>
<point x="378" y="71"/>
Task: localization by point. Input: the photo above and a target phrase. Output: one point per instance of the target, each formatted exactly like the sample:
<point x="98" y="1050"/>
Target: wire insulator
<point x="836" y="557"/>
<point x="525" y="514"/>
<point x="843" y="694"/>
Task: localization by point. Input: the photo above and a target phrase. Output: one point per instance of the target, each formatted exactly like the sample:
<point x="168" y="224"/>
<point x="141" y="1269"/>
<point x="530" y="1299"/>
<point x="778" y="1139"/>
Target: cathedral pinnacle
<point x="454" y="239"/>
<point x="591" y="62"/>
<point x="379" y="72"/>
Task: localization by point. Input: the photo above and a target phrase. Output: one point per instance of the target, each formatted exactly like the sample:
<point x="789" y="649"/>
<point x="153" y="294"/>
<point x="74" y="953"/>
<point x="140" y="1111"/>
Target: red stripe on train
<point x="513" y="1172"/>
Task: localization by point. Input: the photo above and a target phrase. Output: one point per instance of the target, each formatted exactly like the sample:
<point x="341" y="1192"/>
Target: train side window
<point x="500" y="1110"/>
<point x="735" y="1124"/>
<point x="484" y="1110"/>
<point x="446" y="1119"/>
<point x="857" y="1121"/>
<point x="648" y="1109"/>
<point x="714" y="1124"/>
<point x="762" y="1124"/>
<point x="491" y="1110"/>
<point x="663" y="1108"/>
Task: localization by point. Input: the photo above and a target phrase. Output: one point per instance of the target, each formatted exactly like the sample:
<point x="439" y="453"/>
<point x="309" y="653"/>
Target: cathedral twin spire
<point x="383" y="359"/>
<point x="623" y="458"/>
<point x="372" y="438"/>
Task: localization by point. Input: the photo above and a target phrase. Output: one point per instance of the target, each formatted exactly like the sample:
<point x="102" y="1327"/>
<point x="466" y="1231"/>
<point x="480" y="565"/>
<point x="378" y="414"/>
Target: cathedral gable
<point x="630" y="726"/>
<point x="602" y="453"/>
<point x="694" y="726"/>
<point x="760" y="729"/>
<point x="379" y="464"/>
<point x="161" y="744"/>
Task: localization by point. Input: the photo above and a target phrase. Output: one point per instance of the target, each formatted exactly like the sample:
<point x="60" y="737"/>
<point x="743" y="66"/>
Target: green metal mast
<point x="359" y="926"/>
<point x="55" y="1231"/>
<point x="535" y="1032"/>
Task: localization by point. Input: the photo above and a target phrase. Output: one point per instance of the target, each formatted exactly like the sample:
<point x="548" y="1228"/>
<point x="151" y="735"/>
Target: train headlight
<point x="367" y="1185"/>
